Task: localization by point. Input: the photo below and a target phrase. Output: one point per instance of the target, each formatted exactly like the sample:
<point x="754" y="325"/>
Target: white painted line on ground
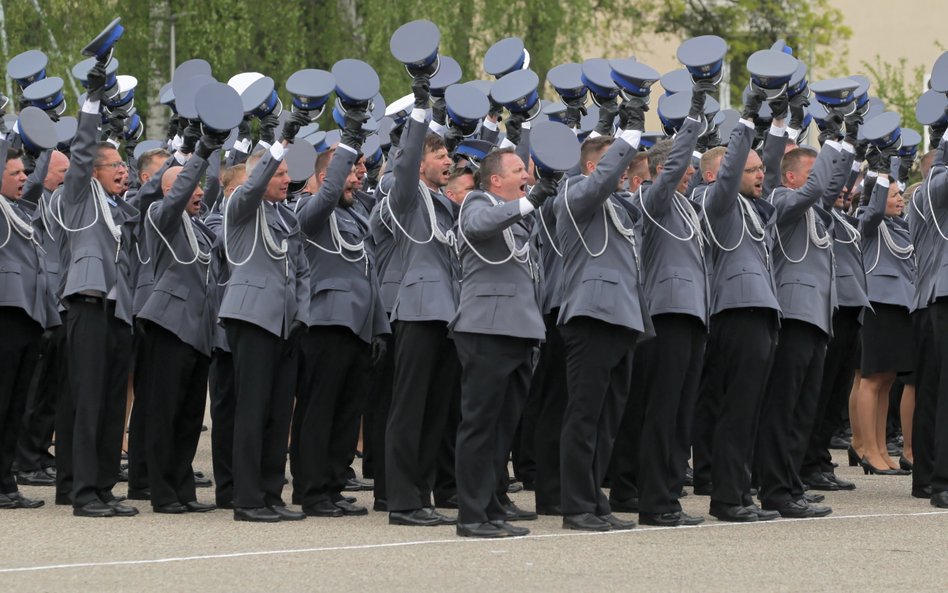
<point x="459" y="540"/>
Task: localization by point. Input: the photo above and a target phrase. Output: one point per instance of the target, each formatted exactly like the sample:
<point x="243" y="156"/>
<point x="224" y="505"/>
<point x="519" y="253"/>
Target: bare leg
<point x="906" y="413"/>
<point x="857" y="442"/>
<point x="882" y="411"/>
<point x="129" y="400"/>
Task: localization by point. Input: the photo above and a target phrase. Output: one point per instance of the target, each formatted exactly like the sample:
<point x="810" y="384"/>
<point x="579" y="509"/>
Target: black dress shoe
<point x="415" y="518"/>
<point x="514" y="487"/>
<point x="122" y="510"/>
<point x="843" y="484"/>
<point x="139" y="494"/>
<point x="813" y="497"/>
<point x="762" y="515"/>
<point x="838" y="442"/>
<point x="703" y="489"/>
<point x="15" y="500"/>
<point x="732" y="513"/>
<point x="442" y="518"/>
<point x="380" y="505"/>
<point x="819" y="481"/>
<point x="940" y="499"/>
<point x="585" y="522"/>
<point x="351" y="510"/>
<point x="629" y="505"/>
<point x="36" y="477"/>
<point x="551" y="510"/>
<point x="447" y="503"/>
<point x="323" y="508"/>
<point x="172" y="508"/>
<point x="689" y="476"/>
<point x="256" y="515"/>
<point x="202" y="482"/>
<point x="357" y="485"/>
<point x="50" y="471"/>
<point x="513" y="530"/>
<point x="287" y="514"/>
<point x="690" y="520"/>
<point x="660" y="519"/>
<point x="921" y="491"/>
<point x="515" y="513"/>
<point x="123" y="474"/>
<point x="905" y="464"/>
<point x="225" y="504"/>
<point x="95" y="508"/>
<point x="487" y="530"/>
<point x="617" y="524"/>
<point x="194" y="506"/>
<point x="799" y="509"/>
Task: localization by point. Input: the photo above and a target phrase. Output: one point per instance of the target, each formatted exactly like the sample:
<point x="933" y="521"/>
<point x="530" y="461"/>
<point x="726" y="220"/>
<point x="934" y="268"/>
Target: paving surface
<point x="877" y="539"/>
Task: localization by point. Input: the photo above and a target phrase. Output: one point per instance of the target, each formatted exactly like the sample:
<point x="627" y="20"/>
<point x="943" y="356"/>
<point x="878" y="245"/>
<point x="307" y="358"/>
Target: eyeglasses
<point x="752" y="170"/>
<point x="115" y="165"/>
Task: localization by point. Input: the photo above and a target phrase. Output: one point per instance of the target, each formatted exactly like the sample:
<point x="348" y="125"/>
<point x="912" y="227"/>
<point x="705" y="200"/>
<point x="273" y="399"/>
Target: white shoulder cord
<point x="609" y="214"/>
<point x="546" y="231"/>
<point x="687" y="213"/>
<point x="443" y="237"/>
<point x="341" y="245"/>
<point x="928" y="191"/>
<point x="15" y="223"/>
<point x="854" y="235"/>
<point x="883" y="234"/>
<point x="100" y="203"/>
<point x="813" y="236"/>
<point x="199" y="256"/>
<point x="276" y="252"/>
<point x="45" y="214"/>
<point x="520" y="255"/>
<point x="747" y="210"/>
<point x="383" y="205"/>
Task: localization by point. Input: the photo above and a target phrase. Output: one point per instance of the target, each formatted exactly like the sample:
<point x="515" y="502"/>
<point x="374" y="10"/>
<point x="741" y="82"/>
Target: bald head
<point x="167" y="182"/>
<point x="168" y="179"/>
<point x="58" y="165"/>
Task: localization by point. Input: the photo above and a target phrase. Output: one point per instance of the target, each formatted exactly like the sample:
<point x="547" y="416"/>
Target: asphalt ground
<point x="878" y="538"/>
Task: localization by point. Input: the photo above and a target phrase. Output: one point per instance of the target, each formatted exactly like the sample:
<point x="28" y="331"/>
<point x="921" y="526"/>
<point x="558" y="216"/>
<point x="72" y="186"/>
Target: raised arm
<point x="316" y="210"/>
<point x="212" y="182"/>
<point x="938" y="177"/>
<point x="721" y="196"/>
<point x="774" y="148"/>
<point x="242" y="205"/>
<point x="82" y="154"/>
<point x="794" y="203"/>
<point x="585" y="196"/>
<point x="167" y="213"/>
<point x="33" y="188"/>
<point x="151" y="192"/>
<point x="657" y="199"/>
<point x="405" y="188"/>
<point x="872" y="216"/>
<point x="480" y="219"/>
<point x="840" y="174"/>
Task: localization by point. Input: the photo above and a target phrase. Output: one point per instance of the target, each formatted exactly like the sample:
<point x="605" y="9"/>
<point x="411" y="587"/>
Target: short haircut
<point x="711" y="157"/>
<point x="101" y="148"/>
<point x="792" y="160"/>
<point x="322" y="161"/>
<point x="492" y="164"/>
<point x="13" y="154"/>
<point x="925" y="165"/>
<point x="433" y="143"/>
<point x="254" y="158"/>
<point x="658" y="154"/>
<point x="231" y="174"/>
<point x="592" y="148"/>
<point x="147" y="157"/>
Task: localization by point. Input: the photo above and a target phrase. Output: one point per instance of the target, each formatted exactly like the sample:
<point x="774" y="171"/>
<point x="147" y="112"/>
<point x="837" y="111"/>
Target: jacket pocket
<point x="599" y="288"/>
<point x="417" y="287"/>
<point x="490" y="299"/>
<point x="675" y="289"/>
<point x="799" y="293"/>
<point x="89" y="268"/>
<point x="739" y="285"/>
<point x="245" y="291"/>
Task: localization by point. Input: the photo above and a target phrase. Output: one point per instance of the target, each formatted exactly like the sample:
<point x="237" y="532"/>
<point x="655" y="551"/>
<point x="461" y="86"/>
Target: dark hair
<point x="433" y="143"/>
<point x="145" y="160"/>
<point x="322" y="161"/>
<point x="658" y="154"/>
<point x="13" y="154"/>
<point x="492" y="165"/>
<point x="100" y="148"/>
<point x="593" y="147"/>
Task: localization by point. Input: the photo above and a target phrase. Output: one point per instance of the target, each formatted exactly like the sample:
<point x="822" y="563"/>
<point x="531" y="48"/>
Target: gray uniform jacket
<point x="550" y="255"/>
<point x="35" y="192"/>
<point x="601" y="277"/>
<point x="143" y="268"/>
<point x="741" y="274"/>
<point x="429" y="288"/>
<point x="23" y="279"/>
<point x="220" y="273"/>
<point x="345" y="289"/>
<point x="673" y="259"/>
<point x="890" y="276"/>
<point x="804" y="268"/>
<point x="497" y="298"/>
<point x="387" y="255"/>
<point x="97" y="263"/>
<point x="934" y="192"/>
<point x="181" y="301"/>
<point x="264" y="277"/>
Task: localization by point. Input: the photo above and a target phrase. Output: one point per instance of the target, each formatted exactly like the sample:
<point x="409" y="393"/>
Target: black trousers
<point x="223" y="405"/>
<point x="39" y="417"/>
<point x="788" y="411"/>
<point x="445" y="482"/>
<point x="64" y="421"/>
<point x="144" y="363"/>
<point x="705" y="418"/>
<point x="495" y="379"/>
<point x="927" y="377"/>
<point x="177" y="393"/>
<point x="839" y="369"/>
<point x="337" y="382"/>
<point x="99" y="349"/>
<point x="598" y="375"/>
<point x="549" y="384"/>
<point x="426" y="368"/>
<point x="741" y="350"/>
<point x="939" y="474"/>
<point x="265" y="369"/>
<point x="382" y="378"/>
<point x="671" y="369"/>
<point x="623" y="476"/>
<point x="19" y="349"/>
<point x="523" y="450"/>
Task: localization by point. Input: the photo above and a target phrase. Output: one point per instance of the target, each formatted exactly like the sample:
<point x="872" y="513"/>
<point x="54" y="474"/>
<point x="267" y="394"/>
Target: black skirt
<point x="888" y="344"/>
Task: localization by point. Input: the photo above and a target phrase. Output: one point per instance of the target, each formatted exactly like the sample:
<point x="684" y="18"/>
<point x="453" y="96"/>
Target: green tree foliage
<point x="813" y="28"/>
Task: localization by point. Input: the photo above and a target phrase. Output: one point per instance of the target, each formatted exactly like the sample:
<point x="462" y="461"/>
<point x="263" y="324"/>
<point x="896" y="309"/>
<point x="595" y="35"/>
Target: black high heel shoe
<point x="905" y="464"/>
<point x="853" y="456"/>
<point x="868" y="468"/>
